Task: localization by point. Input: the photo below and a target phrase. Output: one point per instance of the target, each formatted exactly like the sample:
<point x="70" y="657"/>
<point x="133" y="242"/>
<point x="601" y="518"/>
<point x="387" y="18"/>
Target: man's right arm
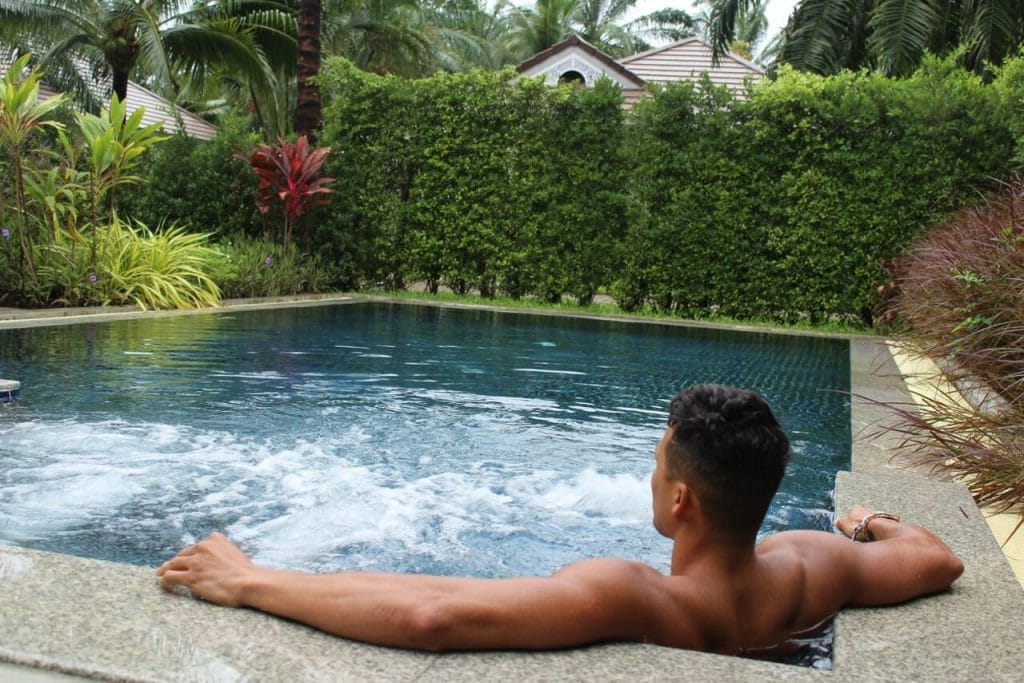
<point x="904" y="561"/>
<point x="591" y="601"/>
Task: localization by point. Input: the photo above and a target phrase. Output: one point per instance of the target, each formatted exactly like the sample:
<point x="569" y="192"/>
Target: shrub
<point x="250" y="267"/>
<point x="473" y="181"/>
<point x="198" y="183"/>
<point x="961" y="294"/>
<point x="289" y="176"/>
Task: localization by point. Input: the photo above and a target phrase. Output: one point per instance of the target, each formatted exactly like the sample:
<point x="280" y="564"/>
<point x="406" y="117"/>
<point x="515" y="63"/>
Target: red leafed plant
<point x="287" y="174"/>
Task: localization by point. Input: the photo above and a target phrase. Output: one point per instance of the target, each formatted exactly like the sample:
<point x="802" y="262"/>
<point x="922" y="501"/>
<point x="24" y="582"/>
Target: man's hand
<point x="848" y="522"/>
<point x="211" y="570"/>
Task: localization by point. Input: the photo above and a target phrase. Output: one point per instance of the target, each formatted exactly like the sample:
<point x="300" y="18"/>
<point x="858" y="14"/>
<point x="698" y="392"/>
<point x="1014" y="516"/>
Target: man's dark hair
<point x="729" y="447"/>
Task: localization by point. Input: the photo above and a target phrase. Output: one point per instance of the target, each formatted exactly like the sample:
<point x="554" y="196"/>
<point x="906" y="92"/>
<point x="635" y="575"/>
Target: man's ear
<point x="683" y="498"/>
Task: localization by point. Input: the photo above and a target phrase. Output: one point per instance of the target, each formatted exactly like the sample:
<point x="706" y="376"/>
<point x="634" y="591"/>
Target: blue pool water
<point x="383" y="436"/>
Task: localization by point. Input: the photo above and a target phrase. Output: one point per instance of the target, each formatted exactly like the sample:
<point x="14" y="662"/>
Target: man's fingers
<point x="179" y="562"/>
<point x="171" y="578"/>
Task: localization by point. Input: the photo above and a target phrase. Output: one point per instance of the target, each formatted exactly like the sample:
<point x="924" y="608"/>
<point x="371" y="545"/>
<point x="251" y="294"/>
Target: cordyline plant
<point x="961" y="293"/>
<point x="288" y="175"/>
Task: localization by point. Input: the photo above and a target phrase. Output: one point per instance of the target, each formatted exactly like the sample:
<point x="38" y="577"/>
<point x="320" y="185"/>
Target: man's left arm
<point x="592" y="601"/>
<point x="903" y="561"/>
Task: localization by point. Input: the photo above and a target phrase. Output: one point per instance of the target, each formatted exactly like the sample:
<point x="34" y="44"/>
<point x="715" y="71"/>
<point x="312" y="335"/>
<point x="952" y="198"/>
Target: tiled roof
<point x="686" y="60"/>
<point x="157" y="109"/>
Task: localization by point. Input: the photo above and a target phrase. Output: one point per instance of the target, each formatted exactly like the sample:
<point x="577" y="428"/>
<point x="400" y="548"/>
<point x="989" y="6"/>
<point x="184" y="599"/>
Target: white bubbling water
<point x="314" y="504"/>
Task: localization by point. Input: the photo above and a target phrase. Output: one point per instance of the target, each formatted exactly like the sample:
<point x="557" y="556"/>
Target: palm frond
<point x="900" y="31"/>
<point x="991" y="30"/>
<point x="221" y="41"/>
<point x="815" y="35"/>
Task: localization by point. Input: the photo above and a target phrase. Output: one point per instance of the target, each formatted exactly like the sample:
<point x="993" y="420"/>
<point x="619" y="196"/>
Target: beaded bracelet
<point x="861" y="532"/>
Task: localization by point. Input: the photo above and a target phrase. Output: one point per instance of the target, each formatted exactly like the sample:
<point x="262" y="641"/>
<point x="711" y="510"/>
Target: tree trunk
<point x="121" y="84"/>
<point x="307" y="108"/>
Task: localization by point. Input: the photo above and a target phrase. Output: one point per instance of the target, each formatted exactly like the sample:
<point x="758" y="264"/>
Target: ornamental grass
<point x="960" y="292"/>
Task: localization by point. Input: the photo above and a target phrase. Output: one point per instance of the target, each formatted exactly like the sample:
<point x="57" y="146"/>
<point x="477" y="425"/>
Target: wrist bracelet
<point x="861" y="532"/>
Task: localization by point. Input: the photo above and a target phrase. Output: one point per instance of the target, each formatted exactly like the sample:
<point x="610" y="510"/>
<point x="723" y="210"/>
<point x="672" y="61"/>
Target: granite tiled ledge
<point x="111" y="621"/>
<point x="965" y="634"/>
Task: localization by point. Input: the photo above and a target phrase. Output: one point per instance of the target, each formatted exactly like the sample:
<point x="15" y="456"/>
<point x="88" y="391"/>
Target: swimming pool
<point x="383" y="436"/>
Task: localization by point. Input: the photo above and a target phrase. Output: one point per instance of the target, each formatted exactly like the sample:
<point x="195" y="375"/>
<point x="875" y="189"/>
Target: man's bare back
<point x="724" y="593"/>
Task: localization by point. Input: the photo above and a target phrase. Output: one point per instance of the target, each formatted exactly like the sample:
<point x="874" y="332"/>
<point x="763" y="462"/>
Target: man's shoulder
<point x="816" y="553"/>
<point x="801" y="538"/>
<point x="611" y="568"/>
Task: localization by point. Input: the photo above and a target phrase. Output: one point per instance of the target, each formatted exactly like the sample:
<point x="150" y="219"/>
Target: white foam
<point x="550" y="372"/>
<point x="338" y="489"/>
<point x="265" y="374"/>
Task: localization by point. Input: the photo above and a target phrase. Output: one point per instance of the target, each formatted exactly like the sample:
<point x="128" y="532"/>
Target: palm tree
<point x="601" y="24"/>
<point x="383" y="36"/>
<point x="825" y="36"/>
<point x="537" y="29"/>
<point x="307" y="100"/>
<point x="163" y="41"/>
<point x="468" y="33"/>
<point x="662" y="25"/>
<point x="750" y="24"/>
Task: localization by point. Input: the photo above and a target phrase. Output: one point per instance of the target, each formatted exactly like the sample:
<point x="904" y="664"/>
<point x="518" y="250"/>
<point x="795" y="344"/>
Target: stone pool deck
<point x="63" y="617"/>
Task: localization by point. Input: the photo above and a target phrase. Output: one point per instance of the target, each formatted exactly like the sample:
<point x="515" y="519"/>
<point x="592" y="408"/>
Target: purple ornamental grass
<point x="960" y="296"/>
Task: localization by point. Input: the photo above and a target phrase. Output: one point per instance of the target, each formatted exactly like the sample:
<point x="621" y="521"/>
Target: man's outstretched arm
<point x="904" y="561"/>
<point x="589" y="602"/>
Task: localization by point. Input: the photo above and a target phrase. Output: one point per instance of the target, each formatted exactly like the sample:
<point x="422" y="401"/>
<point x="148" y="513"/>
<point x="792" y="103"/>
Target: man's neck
<point x="699" y="552"/>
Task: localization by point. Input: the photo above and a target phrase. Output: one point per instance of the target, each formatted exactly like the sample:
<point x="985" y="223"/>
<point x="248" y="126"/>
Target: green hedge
<point x="786" y="205"/>
<point x="474" y="182"/>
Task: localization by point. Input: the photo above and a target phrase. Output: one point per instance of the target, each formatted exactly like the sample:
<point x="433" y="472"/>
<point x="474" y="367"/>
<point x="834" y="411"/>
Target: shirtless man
<point x="717" y="467"/>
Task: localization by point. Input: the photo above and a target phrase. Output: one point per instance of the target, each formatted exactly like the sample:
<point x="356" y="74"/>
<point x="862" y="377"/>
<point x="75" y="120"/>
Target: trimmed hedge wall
<point x="470" y="181"/>
<point x="786" y="206"/>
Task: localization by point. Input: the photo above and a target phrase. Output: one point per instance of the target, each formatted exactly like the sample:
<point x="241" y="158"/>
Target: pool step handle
<point x="10" y="390"/>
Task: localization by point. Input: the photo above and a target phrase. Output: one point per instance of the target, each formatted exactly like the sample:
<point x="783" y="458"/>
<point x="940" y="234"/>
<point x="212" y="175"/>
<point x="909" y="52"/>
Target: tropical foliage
<point x="262" y="56"/>
<point x="22" y="116"/>
<point x="746" y="26"/>
<point x="825" y="36"/>
<point x="783" y="205"/>
<point x="129" y="264"/>
<point x="786" y="205"/>
<point x="258" y="267"/>
<point x="74" y="249"/>
<point x="469" y="182"/>
<point x="200" y="183"/>
<point x="166" y="43"/>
